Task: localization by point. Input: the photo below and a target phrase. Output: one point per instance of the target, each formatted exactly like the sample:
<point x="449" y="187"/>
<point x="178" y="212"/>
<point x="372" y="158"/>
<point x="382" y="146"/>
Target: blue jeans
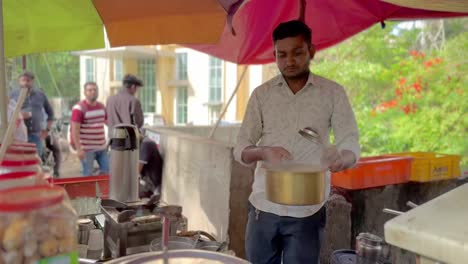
<point x="102" y="159"/>
<point x="36" y="139"/>
<point x="273" y="239"/>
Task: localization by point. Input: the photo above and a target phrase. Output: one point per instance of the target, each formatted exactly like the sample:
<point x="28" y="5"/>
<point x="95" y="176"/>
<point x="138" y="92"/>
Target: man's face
<point x="293" y="57"/>
<point x="25" y="81"/>
<point x="91" y="92"/>
<point x="133" y="89"/>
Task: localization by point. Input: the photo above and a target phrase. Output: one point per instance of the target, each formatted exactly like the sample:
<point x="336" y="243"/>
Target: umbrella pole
<point x="3" y="88"/>
<point x="213" y="130"/>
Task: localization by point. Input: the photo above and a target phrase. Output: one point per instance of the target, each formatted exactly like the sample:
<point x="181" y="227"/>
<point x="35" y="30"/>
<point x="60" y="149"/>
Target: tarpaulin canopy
<point x="331" y="22"/>
<point x="34" y="26"/>
<point x="57" y="25"/>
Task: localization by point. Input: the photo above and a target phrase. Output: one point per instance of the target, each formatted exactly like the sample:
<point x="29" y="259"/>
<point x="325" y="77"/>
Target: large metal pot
<point x="295" y="184"/>
<point x="179" y="257"/>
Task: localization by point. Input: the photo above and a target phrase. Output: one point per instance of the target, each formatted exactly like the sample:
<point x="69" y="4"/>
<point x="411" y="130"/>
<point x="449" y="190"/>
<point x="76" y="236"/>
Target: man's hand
<point x="337" y="160"/>
<point x="272" y="155"/>
<point x="26" y="115"/>
<point x="275" y="155"/>
<point x="81" y="154"/>
<point x="44" y="134"/>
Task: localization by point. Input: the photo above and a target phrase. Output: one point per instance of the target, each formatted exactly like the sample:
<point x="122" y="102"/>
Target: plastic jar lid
<point x="30" y="198"/>
<point x="21" y="148"/>
<point x="26" y="144"/>
<point x="16" y="179"/>
<point x="16" y="175"/>
<point x="12" y="160"/>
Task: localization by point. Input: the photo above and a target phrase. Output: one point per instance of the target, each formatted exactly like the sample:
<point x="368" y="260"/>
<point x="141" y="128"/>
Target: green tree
<point x="58" y="73"/>
<point x="405" y="99"/>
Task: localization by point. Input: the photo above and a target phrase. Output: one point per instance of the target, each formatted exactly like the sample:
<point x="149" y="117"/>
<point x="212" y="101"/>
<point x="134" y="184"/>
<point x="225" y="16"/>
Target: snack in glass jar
<point x="37" y="223"/>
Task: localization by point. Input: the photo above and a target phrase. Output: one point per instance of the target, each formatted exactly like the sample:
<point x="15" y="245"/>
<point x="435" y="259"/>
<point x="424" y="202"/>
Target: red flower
<point x="428" y="64"/>
<point x="402" y="81"/>
<point x="417" y="87"/>
<point x="398" y="92"/>
<point x="438" y="60"/>
<point x="409" y="108"/>
<point x="392" y="103"/>
<point x="386" y="105"/>
<point x="416" y="54"/>
<point x="406" y="109"/>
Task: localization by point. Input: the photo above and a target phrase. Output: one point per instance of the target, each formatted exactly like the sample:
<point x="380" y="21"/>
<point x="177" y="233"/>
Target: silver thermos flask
<point x="124" y="158"/>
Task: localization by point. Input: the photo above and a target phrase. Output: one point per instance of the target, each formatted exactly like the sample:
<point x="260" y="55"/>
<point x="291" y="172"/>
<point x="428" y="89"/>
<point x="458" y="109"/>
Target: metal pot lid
<point x="180" y="257"/>
<point x="310" y="134"/>
<point x="84" y="221"/>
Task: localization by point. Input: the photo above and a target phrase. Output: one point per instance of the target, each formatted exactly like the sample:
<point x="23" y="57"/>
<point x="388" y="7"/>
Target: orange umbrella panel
<point x="141" y="22"/>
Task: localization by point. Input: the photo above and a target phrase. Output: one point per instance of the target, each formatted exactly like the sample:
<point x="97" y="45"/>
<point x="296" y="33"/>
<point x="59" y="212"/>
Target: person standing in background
<point x="52" y="143"/>
<point x="124" y="107"/>
<point x="87" y="131"/>
<point x="31" y="110"/>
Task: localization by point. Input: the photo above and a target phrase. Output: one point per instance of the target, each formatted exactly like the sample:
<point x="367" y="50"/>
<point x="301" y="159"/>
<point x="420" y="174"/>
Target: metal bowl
<point x="175" y="243"/>
<point x="211" y="246"/>
<point x="295" y="184"/>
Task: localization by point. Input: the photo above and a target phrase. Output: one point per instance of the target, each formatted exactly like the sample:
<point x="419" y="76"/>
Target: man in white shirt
<point x="277" y="110"/>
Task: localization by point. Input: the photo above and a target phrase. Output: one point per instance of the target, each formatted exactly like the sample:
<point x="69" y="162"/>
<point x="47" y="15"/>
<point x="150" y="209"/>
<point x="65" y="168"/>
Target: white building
<point x="182" y="85"/>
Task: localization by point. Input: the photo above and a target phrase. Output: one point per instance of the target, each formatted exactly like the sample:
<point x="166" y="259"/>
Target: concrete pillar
<point x="165" y="72"/>
<point x="131" y="66"/>
<point x="242" y="93"/>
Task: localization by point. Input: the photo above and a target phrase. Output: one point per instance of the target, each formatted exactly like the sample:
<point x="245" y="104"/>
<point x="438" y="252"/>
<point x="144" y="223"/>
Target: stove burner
<point x="130" y="228"/>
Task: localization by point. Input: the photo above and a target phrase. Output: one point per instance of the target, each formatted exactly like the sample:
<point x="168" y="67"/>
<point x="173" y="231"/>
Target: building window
<point x="214" y="112"/>
<point x="216" y="75"/>
<point x="181" y="66"/>
<point x="90" y="70"/>
<point x="118" y="70"/>
<point x="181" y="105"/>
<point x="147" y="95"/>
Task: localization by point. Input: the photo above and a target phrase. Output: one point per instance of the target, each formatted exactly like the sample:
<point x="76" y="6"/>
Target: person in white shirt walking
<point x="276" y="111"/>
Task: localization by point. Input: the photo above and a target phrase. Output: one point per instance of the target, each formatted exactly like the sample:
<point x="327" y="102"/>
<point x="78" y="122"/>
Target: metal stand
<point x="3" y="88"/>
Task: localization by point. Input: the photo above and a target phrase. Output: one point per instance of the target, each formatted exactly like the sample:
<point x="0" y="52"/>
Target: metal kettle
<point x="124" y="158"/>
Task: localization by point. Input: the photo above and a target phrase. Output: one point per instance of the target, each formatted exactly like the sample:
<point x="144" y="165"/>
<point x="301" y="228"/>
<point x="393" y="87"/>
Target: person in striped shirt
<point x="88" y="134"/>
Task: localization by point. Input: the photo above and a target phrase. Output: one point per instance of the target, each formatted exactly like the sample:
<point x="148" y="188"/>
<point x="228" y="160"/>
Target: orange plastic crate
<point x="89" y="186"/>
<point x="374" y="172"/>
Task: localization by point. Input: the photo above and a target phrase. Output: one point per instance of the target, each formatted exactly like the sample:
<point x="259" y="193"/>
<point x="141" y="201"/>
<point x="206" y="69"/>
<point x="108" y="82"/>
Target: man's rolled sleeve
<point x="145" y="152"/>
<point x="48" y="109"/>
<point x="250" y="131"/>
<point x="344" y="124"/>
<point x="138" y="114"/>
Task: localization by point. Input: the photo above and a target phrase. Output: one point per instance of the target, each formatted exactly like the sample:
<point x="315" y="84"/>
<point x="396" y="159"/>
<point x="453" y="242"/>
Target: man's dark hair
<point x="27" y="74"/>
<point x="130" y="79"/>
<point x="89" y="83"/>
<point x="293" y="28"/>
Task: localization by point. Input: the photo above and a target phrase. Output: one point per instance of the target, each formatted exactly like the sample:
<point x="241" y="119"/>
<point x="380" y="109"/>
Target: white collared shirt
<point x="274" y="116"/>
